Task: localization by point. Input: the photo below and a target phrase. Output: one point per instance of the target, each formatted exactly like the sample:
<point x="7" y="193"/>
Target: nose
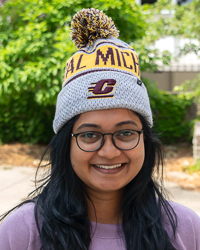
<point x="108" y="150"/>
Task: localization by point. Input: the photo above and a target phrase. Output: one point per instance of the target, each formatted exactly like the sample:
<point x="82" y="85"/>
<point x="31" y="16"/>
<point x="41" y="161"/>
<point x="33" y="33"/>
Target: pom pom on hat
<point x="90" y="24"/>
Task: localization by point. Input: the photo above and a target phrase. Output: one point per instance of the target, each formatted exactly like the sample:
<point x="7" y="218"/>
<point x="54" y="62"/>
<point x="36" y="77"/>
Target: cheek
<point x="137" y="157"/>
<point x="73" y="151"/>
<point x="79" y="158"/>
<point x="141" y="154"/>
<point x="75" y="159"/>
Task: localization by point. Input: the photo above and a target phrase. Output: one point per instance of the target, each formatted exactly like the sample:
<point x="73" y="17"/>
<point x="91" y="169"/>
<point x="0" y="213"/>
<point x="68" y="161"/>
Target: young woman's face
<point x="109" y="168"/>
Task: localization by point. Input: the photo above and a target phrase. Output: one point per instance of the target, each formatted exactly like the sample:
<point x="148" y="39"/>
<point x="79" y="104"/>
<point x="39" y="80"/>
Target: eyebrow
<point x="125" y="123"/>
<point x="88" y="125"/>
<point x="91" y="125"/>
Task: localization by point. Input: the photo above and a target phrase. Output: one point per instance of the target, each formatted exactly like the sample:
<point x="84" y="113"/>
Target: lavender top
<point x="19" y="231"/>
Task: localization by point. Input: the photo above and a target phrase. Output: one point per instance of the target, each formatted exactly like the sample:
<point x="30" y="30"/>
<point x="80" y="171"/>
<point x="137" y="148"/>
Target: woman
<point x="101" y="192"/>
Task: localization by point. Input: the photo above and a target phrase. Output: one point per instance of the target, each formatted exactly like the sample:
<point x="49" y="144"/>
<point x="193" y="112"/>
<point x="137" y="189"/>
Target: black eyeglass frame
<point x="113" y="141"/>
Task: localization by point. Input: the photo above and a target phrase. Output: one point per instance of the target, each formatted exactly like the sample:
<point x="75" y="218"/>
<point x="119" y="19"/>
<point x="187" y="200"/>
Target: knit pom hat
<point x="103" y="74"/>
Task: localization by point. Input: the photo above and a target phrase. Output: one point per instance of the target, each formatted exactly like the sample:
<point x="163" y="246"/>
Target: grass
<point x="194" y="168"/>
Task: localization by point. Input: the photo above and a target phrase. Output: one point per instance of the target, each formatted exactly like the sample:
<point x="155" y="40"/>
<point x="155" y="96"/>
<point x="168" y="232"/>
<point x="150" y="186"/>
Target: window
<point x="179" y="2"/>
<point x="148" y="1"/>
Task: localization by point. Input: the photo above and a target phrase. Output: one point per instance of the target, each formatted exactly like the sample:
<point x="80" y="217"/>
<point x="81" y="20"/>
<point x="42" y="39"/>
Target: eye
<point x="89" y="137"/>
<point x="126" y="135"/>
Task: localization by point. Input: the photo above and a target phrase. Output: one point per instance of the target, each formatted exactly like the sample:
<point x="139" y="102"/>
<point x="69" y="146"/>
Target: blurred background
<point x="35" y="45"/>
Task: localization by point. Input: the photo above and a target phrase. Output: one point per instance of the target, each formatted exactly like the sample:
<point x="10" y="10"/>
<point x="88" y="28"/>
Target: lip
<point x="109" y="171"/>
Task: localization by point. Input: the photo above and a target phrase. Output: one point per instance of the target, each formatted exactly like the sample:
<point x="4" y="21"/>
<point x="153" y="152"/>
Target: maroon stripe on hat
<point x="100" y="96"/>
<point x="97" y="70"/>
<point x="116" y="45"/>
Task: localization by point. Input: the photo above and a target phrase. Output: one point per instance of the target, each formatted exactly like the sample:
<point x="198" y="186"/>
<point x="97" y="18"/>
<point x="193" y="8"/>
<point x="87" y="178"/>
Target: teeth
<point x="109" y="167"/>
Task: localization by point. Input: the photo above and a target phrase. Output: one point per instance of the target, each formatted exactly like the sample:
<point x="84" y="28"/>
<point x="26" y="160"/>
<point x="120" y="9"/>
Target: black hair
<point x="61" y="201"/>
<point x="143" y="201"/>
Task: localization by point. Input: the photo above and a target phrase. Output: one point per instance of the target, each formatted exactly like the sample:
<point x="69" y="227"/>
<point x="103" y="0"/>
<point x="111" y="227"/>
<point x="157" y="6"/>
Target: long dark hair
<point x="143" y="201"/>
<point x="60" y="199"/>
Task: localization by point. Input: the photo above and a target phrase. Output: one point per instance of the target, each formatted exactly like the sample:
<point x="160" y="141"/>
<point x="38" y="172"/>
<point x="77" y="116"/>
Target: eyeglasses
<point x="125" y="139"/>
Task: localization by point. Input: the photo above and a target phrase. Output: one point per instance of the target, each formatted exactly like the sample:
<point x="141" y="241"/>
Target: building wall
<point x="167" y="80"/>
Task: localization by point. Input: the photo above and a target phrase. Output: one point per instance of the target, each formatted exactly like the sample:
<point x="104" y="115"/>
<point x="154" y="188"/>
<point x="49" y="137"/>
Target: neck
<point x="106" y="207"/>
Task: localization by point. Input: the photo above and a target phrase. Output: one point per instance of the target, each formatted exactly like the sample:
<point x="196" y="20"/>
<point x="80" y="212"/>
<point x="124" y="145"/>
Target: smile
<point x="109" y="167"/>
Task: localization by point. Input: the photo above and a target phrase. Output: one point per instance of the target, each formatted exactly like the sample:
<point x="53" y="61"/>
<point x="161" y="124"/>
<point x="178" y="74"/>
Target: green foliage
<point x="169" y="112"/>
<point x="149" y="57"/>
<point x="36" y="43"/>
<point x="25" y="120"/>
<point x="182" y="21"/>
<point x="34" y="47"/>
<point x="192" y="87"/>
<point x="193" y="168"/>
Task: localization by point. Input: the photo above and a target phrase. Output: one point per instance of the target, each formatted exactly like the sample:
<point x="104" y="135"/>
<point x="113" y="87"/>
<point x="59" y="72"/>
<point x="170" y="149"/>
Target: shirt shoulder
<point x="19" y="230"/>
<point x="188" y="228"/>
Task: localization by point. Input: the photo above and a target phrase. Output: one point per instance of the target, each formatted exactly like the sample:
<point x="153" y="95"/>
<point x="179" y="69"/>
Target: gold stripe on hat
<point x="107" y="56"/>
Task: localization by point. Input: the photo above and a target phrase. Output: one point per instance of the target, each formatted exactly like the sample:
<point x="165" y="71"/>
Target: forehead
<point x="107" y="118"/>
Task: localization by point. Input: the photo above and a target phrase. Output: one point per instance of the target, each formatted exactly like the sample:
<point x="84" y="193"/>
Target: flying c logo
<point x="102" y="89"/>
